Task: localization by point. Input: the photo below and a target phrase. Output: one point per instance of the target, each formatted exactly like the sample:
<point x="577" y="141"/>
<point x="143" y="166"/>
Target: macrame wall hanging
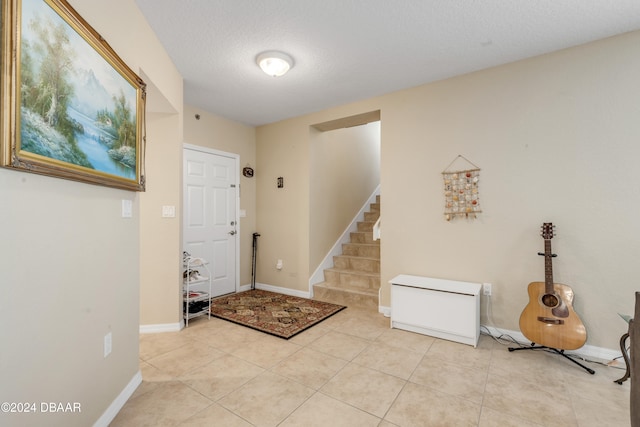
<point x="461" y="197"/>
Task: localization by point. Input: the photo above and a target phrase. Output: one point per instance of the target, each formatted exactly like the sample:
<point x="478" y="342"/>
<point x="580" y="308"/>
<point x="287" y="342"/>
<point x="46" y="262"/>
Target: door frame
<point x="236" y="158"/>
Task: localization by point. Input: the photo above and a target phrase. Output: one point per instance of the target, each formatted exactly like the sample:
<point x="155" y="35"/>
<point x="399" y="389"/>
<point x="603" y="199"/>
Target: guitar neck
<point x="548" y="268"/>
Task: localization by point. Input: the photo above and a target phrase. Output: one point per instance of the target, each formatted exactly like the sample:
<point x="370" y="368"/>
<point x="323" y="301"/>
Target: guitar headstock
<point x="548" y="230"/>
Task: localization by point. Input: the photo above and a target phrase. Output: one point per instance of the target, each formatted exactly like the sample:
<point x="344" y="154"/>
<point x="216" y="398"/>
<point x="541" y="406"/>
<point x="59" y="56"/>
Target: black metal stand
<point x="253" y="260"/>
<point x="560" y="352"/>
<point x="625" y="355"/>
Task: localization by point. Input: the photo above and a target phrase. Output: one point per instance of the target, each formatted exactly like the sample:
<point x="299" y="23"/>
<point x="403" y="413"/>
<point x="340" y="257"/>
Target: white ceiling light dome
<point x="274" y="63"/>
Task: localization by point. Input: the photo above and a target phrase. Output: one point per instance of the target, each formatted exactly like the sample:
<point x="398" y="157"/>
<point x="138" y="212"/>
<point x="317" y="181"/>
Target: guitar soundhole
<point x="550" y="300"/>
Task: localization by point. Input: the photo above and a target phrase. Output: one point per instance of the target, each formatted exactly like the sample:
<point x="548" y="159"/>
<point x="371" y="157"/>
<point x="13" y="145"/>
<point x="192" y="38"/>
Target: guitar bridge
<point x="550" y="320"/>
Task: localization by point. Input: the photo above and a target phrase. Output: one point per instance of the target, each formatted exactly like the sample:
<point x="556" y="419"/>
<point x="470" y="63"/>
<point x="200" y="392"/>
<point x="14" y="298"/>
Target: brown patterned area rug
<point x="281" y="315"/>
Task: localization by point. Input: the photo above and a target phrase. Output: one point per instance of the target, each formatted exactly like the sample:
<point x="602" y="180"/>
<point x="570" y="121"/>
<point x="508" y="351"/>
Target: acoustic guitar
<point x="549" y="318"/>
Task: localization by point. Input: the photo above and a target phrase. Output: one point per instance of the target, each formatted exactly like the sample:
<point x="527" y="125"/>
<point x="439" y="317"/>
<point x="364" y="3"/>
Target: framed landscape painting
<point x="71" y="108"/>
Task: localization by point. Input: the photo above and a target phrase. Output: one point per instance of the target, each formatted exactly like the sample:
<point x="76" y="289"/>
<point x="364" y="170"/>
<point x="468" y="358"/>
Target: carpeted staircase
<point x="354" y="280"/>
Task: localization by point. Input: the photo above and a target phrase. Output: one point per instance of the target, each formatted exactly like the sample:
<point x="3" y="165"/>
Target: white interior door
<point x="210" y="223"/>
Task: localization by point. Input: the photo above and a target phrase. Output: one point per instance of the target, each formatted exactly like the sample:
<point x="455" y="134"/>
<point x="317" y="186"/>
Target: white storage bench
<point x="440" y="308"/>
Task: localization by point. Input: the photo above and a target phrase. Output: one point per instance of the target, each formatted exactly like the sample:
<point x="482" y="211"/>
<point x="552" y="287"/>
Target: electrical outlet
<point x="168" y="212"/>
<point x="486" y="289"/>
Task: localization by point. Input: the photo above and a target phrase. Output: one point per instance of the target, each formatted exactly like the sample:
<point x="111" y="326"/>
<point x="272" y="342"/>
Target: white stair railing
<point x="376" y="230"/>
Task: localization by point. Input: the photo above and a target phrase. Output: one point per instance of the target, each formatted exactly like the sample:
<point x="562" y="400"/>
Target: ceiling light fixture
<point x="274" y="63"/>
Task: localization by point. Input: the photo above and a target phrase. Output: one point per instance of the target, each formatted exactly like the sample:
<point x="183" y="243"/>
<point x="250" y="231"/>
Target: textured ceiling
<point x="349" y="50"/>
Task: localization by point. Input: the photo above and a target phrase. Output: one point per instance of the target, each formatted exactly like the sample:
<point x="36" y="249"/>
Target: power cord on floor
<point x="503" y="338"/>
<point x="506" y="339"/>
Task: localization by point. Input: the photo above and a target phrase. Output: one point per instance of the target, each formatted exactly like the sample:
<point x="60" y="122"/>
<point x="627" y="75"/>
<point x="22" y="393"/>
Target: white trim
<point x="161" y="327"/>
<point x="327" y="262"/>
<point x="385" y="311"/>
<point x="376" y="229"/>
<point x="236" y="157"/>
<point x="209" y="150"/>
<point x="278" y="289"/>
<point x="118" y="403"/>
<point x="286" y="291"/>
<point x="587" y="351"/>
<point x="245" y="287"/>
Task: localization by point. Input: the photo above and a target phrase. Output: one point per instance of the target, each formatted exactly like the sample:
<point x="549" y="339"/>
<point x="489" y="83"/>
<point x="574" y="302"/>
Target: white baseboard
<point x="589" y="352"/>
<point x="175" y="327"/>
<point x="386" y="311"/>
<point x="119" y="401"/>
<point x="161" y="327"/>
<point x="280" y="290"/>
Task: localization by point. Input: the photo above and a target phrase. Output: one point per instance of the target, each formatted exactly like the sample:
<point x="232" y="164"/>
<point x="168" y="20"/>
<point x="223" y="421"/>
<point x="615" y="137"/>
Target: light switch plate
<point x="127" y="208"/>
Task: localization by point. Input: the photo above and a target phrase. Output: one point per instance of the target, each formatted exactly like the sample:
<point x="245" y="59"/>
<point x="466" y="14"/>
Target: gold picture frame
<point x="71" y="108"/>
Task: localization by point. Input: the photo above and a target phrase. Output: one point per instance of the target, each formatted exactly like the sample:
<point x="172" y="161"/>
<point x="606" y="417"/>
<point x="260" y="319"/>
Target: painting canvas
<point x="73" y="109"/>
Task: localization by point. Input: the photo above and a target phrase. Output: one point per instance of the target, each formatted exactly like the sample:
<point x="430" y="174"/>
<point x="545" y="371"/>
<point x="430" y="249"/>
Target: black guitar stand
<point x="560" y="352"/>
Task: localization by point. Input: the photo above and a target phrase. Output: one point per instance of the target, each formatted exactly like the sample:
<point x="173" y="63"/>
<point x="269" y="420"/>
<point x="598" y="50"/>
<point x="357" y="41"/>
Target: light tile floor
<point x="353" y="370"/>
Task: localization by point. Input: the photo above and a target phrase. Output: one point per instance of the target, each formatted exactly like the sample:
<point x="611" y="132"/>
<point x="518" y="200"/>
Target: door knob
<point x="232" y="232"/>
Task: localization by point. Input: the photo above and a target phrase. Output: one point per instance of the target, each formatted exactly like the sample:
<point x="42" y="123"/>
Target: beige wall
<point x="344" y="172"/>
<point x="282" y="150"/>
<point x="160" y="281"/>
<point x="556" y="138"/>
<point x="218" y="133"/>
<point x="70" y="267"/>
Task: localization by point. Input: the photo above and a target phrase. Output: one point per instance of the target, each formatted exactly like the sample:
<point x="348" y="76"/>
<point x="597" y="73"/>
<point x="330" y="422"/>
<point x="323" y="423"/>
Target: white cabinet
<point x="440" y="308"/>
<point x="196" y="288"/>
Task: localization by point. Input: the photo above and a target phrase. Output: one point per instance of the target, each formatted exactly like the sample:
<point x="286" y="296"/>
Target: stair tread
<point x="352" y="271"/>
<point x="347" y="288"/>
<point x="372" y="242"/>
<point x="357" y="257"/>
